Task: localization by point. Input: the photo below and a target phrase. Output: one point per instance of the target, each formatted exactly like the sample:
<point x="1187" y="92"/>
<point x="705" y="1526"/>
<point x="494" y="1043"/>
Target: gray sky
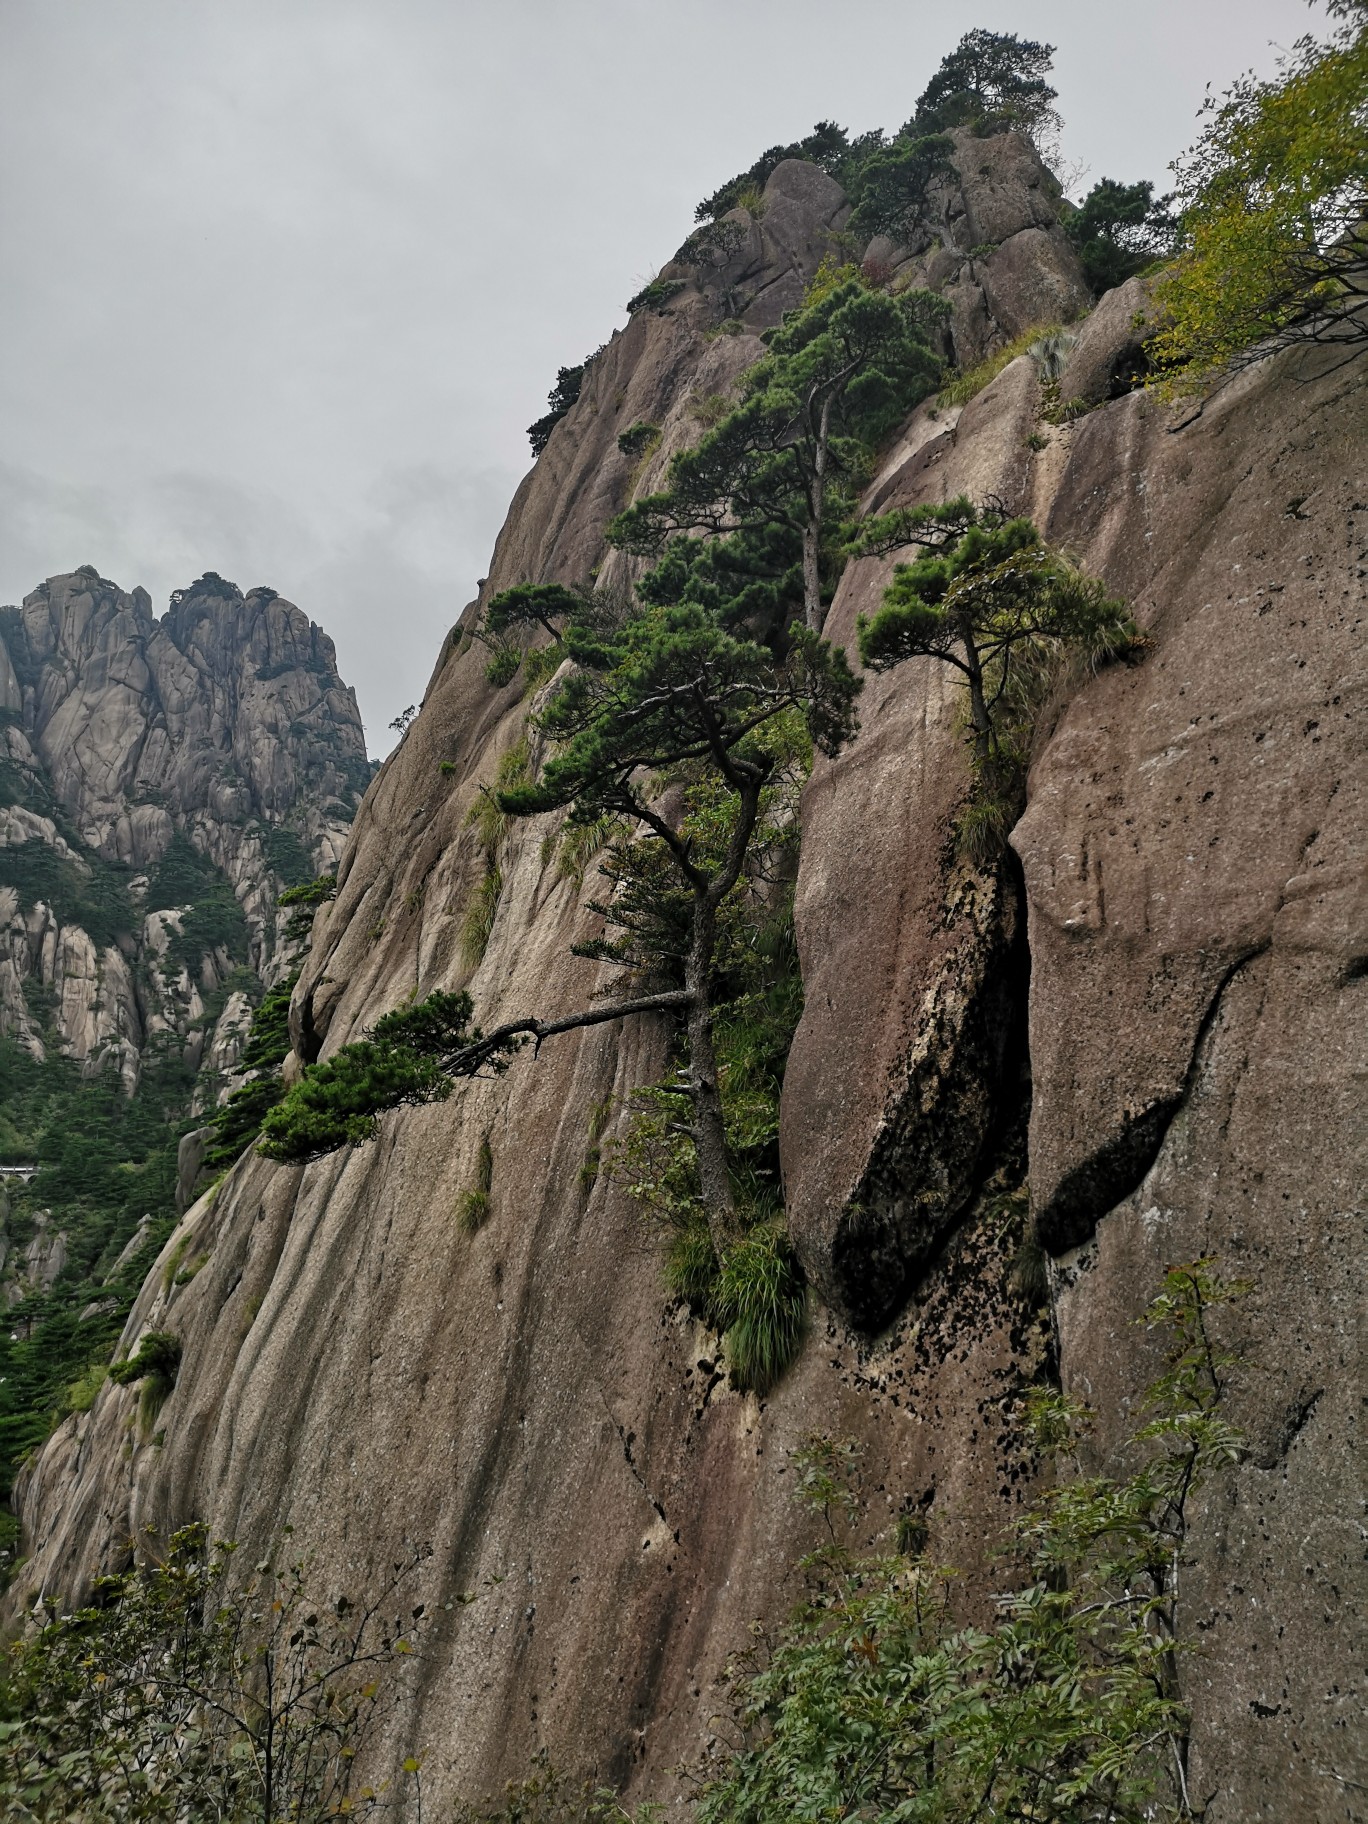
<point x="282" y="283"/>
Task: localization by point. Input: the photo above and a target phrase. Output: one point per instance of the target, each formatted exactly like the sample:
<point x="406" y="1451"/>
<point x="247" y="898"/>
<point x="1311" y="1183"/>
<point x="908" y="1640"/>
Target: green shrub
<point x="876" y="1701"/>
<point x="503" y="666"/>
<point x="639" y="439"/>
<point x="974" y="380"/>
<point x="564" y="394"/>
<point x="760" y="1301"/>
<point x="473" y="1206"/>
<point x="195" y="1688"/>
<point x="158" y="1356"/>
<point x="156" y="1365"/>
<point x="691" y="1266"/>
<point x="473" y="1210"/>
<point x="540" y="663"/>
<point x="80" y="1395"/>
<point x="654" y="296"/>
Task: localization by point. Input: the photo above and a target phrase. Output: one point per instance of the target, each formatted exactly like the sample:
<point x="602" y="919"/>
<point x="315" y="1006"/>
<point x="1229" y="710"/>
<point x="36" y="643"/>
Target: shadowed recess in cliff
<point x="1124" y="1155"/>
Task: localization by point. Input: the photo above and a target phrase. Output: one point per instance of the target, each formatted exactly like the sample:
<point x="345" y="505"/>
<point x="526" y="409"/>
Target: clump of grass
<point x="969" y="384"/>
<point x="599" y="1116"/>
<point x="539" y="664"/>
<point x="910" y="1533"/>
<point x="80" y="1395"/>
<point x="760" y="1301"/>
<point x="156" y="1365"/>
<point x="579" y="843"/>
<point x="173" y="1263"/>
<point x="503" y="666"/>
<point x="709" y="409"/>
<point x="473" y="1210"/>
<point x="983" y="825"/>
<point x="473" y="1206"/>
<point x="691" y="1265"/>
<point x="752" y="200"/>
<point x="477" y="921"/>
<point x="1029" y="1274"/>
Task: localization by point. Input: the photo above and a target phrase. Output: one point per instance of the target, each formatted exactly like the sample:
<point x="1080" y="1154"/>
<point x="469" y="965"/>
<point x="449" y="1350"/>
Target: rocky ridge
<point x="144" y="761"/>
<point x="1168" y="996"/>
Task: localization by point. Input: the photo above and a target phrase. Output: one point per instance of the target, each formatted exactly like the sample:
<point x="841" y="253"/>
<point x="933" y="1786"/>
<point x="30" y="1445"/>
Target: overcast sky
<point x="282" y="283"/>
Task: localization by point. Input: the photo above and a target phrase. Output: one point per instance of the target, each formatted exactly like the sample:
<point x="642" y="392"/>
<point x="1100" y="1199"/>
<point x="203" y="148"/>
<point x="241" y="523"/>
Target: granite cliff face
<point x="148" y="767"/>
<point x="1160" y="1013"/>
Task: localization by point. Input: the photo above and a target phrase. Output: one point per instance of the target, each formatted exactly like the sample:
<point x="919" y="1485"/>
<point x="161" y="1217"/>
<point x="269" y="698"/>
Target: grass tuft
<point x="761" y="1302"/>
<point x="691" y="1265"/>
<point x="969" y="384"/>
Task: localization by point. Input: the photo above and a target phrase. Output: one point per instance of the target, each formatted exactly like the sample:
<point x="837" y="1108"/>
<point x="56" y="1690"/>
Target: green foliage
<point x="238" y="1119"/>
<point x="992" y="82"/>
<point x="527" y="606"/>
<point x="186" y="880"/>
<point x="760" y="1301"/>
<point x="503" y="665"/>
<point x="1119" y="230"/>
<point x="156" y="1366"/>
<point x="539" y="664"/>
<point x="974" y="380"/>
<point x="654" y="296"/>
<point x="482" y="906"/>
<point x="1274" y="204"/>
<point x="477" y="920"/>
<point x="408" y="1059"/>
<point x="193" y="1689"/>
<point x="754" y="1290"/>
<point x="639" y="439"/>
<point x="302" y="902"/>
<point x="840" y="375"/>
<point x="988" y="598"/>
<point x="89" y="892"/>
<point x="827" y="145"/>
<point x="667" y="689"/>
<point x="895" y="188"/>
<point x="286" y="856"/>
<point x="105" y="1161"/>
<point x="564" y="394"/>
<point x="81" y="1394"/>
<point x="876" y="1702"/>
<point x="158" y="1358"/>
<point x="473" y="1206"/>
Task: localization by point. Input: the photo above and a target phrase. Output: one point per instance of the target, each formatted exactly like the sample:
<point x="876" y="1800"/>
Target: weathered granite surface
<point x="1182" y="1009"/>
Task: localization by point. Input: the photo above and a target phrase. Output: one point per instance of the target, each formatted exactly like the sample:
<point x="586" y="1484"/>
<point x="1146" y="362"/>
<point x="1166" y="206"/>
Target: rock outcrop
<point x="1171" y="985"/>
<point x="224" y="727"/>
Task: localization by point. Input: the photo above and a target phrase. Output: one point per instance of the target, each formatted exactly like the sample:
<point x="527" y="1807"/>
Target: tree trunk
<point x="812" y="531"/>
<point x="710" y="1139"/>
<point x="980" y="720"/>
<point x="812" y="576"/>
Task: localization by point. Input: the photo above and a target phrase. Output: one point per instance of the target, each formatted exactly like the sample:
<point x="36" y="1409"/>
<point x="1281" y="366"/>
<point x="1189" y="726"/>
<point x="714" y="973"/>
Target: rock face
<point x="1169" y="985"/>
<point x="225" y="718"/>
<point x="223" y="726"/>
<point x="226" y="721"/>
